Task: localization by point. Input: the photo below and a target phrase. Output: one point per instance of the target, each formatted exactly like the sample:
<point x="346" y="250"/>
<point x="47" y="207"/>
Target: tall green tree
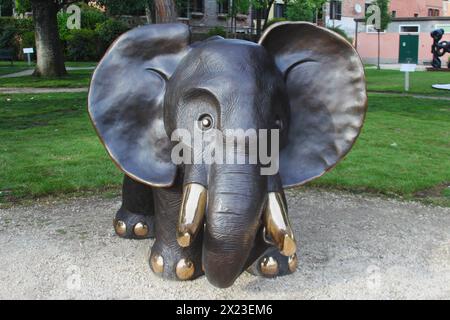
<point x="379" y="16"/>
<point x="49" y="53"/>
<point x="303" y="10"/>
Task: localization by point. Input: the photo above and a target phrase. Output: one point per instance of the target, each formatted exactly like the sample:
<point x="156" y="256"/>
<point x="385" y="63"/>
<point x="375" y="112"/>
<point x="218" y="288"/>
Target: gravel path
<point x="350" y="246"/>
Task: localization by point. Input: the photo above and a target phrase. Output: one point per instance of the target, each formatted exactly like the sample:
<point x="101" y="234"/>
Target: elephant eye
<point x="205" y="121"/>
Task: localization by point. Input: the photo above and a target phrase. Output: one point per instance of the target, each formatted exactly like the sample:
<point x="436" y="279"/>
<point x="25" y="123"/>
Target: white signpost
<point x="407" y="68"/>
<point x="28" y="52"/>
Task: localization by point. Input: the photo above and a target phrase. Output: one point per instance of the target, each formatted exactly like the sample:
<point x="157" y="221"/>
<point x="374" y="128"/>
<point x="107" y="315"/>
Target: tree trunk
<point x="50" y="58"/>
<point x="165" y="11"/>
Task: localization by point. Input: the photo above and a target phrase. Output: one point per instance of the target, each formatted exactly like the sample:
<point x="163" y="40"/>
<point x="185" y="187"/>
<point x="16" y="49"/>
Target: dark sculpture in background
<point x="222" y="219"/>
<point x="439" y="48"/>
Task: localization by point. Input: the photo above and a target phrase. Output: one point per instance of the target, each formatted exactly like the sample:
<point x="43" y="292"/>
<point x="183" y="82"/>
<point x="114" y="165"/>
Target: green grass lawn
<point x="377" y="80"/>
<point x="74" y="79"/>
<point x="394" y="81"/>
<point x="24" y="64"/>
<point x="48" y="147"/>
<point x="404" y="149"/>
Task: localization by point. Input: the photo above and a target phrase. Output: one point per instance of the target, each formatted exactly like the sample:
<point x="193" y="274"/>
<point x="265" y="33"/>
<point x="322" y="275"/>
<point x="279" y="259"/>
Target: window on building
<point x="279" y="10"/>
<point x="409" y="29"/>
<point x="197" y="6"/>
<point x="394" y="14"/>
<point x="335" y="10"/>
<point x="223" y="6"/>
<point x="433" y="12"/>
<point x="187" y="7"/>
<point x="6" y="9"/>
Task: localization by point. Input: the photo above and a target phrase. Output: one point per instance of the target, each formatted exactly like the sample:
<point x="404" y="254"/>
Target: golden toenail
<point x="185" y="269"/>
<point x="269" y="266"/>
<point x="120" y="227"/>
<point x="140" y="229"/>
<point x="293" y="263"/>
<point x="157" y="263"/>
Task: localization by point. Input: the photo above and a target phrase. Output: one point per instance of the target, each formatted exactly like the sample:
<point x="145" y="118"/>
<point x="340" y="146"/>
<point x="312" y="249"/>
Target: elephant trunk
<point x="236" y="198"/>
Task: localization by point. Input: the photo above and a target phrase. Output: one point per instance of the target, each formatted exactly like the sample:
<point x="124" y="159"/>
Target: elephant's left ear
<point x="126" y="100"/>
<point x="327" y="94"/>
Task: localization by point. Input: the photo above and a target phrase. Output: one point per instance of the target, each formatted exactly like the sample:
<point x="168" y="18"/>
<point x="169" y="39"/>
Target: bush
<point x="217" y="31"/>
<point x="91" y="17"/>
<point x="8" y="37"/>
<point x="82" y="45"/>
<point x="342" y="33"/>
<point x="23" y="6"/>
<point x="62" y="25"/>
<point x="109" y="31"/>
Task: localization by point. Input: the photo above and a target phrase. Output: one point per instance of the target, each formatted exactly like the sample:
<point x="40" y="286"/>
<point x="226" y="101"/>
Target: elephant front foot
<point x="130" y="225"/>
<point x="273" y="264"/>
<point x="176" y="263"/>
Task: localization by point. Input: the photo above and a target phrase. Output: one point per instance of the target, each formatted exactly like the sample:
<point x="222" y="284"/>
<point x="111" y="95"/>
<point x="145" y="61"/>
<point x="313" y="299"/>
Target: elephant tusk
<point x="193" y="207"/>
<point x="277" y="224"/>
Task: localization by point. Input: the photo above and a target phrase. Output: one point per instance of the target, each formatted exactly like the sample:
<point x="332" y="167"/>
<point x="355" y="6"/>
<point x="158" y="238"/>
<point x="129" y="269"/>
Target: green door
<point x="409" y="49"/>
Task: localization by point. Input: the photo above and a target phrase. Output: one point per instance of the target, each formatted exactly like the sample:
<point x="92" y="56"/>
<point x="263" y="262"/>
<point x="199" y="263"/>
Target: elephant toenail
<point x="269" y="266"/>
<point x="185" y="269"/>
<point x="293" y="263"/>
<point x="140" y="229"/>
<point x="120" y="227"/>
<point x="157" y="263"/>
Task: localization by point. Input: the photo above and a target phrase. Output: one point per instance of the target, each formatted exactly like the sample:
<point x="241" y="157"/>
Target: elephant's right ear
<point x="126" y="100"/>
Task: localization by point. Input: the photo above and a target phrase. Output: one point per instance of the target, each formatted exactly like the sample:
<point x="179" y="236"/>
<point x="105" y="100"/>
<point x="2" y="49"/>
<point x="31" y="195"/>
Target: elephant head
<point x="304" y="81"/>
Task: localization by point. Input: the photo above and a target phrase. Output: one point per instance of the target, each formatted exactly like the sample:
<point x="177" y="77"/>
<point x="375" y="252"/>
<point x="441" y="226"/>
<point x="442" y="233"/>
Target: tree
<point x="378" y="14"/>
<point x="262" y="8"/>
<point x="165" y="11"/>
<point x="303" y="10"/>
<point x="50" y="58"/>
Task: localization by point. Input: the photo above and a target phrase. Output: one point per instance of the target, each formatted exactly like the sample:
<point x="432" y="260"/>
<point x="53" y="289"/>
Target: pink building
<point x="342" y="13"/>
<point x="407" y="38"/>
<point x="418" y="8"/>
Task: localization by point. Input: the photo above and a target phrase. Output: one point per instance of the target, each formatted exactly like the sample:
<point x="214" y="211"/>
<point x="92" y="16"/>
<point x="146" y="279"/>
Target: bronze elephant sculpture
<point x="220" y="219"/>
